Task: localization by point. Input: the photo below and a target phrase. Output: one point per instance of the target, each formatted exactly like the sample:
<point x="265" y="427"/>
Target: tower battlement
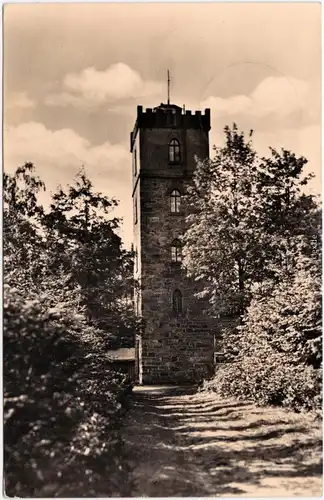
<point x="169" y="116"/>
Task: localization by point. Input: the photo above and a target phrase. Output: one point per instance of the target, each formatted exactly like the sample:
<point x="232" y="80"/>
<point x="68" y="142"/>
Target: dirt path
<point x="183" y="444"/>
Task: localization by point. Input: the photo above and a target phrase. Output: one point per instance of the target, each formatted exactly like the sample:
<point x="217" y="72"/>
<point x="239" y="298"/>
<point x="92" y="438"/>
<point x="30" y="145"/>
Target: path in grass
<point x="183" y="444"/>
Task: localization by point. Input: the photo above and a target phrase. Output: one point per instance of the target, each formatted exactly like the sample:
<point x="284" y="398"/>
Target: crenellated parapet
<point x="169" y="116"/>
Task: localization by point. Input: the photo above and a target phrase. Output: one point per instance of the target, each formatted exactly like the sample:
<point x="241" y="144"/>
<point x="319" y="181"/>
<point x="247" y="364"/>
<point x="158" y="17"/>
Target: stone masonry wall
<point x="178" y="350"/>
<point x="172" y="348"/>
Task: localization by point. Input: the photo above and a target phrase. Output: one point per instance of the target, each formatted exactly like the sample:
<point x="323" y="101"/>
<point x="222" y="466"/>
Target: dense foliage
<point x="247" y="216"/>
<point x="62" y="401"/>
<point x="254" y="244"/>
<point x="275" y="356"/>
<point x="89" y="248"/>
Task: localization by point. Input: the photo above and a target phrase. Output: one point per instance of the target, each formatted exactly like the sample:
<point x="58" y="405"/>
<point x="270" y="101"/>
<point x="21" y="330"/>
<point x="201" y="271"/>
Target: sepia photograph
<point x="162" y="250"/>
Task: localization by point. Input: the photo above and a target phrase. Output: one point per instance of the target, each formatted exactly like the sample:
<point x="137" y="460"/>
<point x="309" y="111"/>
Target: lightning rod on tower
<point x="168" y="87"/>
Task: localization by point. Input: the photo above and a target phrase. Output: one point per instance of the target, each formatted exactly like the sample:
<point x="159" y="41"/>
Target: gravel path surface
<point x="182" y="443"/>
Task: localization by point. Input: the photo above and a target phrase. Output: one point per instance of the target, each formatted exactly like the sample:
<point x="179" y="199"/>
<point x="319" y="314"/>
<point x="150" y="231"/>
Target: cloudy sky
<point x="74" y="74"/>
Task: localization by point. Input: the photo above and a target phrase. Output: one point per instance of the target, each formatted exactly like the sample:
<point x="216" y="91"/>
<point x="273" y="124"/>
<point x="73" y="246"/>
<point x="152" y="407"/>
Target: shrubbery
<point x="269" y="380"/>
<point x="253" y="243"/>
<point x="62" y="402"/>
<point x="275" y="357"/>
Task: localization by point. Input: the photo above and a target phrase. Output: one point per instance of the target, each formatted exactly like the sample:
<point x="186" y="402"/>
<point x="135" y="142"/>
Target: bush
<point x="62" y="403"/>
<point x="269" y="380"/>
<point x="276" y="355"/>
<point x="64" y="271"/>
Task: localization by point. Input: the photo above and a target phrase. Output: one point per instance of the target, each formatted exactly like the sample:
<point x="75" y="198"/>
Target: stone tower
<point x="175" y="344"/>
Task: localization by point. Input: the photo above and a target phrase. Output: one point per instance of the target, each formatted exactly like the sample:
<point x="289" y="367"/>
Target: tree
<point x="254" y="242"/>
<point x="20" y="191"/>
<point x="80" y="228"/>
<point x="236" y="236"/>
<point x="289" y="218"/>
<point x="62" y="401"/>
<point x="23" y="243"/>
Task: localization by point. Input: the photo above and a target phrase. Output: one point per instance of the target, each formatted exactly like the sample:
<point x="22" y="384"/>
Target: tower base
<point x="176" y="351"/>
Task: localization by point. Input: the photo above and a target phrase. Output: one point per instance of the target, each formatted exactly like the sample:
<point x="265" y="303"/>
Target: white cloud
<point x="267" y="110"/>
<point x="303" y="142"/>
<point x="91" y="87"/>
<point x="279" y="95"/>
<point x="64" y="99"/>
<point x="274" y="95"/>
<point x="18" y="100"/>
<point x="58" y="155"/>
<point x="231" y="106"/>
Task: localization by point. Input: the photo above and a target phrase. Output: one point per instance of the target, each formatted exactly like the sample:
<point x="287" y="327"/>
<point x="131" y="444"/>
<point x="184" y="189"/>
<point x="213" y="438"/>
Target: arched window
<point x="175" y="199"/>
<point x="174" y="151"/>
<point x="177" y="301"/>
<point x="176" y="255"/>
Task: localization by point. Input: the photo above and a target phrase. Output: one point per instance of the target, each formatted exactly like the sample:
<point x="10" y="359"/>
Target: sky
<point x="75" y="73"/>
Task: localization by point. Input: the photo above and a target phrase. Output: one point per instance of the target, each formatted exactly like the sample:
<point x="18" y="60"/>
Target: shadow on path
<point x="179" y="443"/>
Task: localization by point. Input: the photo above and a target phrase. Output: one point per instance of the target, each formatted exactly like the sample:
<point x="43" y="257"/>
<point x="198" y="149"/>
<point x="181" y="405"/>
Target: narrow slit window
<point x="174" y="151"/>
<point x="177" y="302"/>
<point x="175" y="199"/>
<point x="176" y="254"/>
<point x="135" y="210"/>
<point x="135" y="161"/>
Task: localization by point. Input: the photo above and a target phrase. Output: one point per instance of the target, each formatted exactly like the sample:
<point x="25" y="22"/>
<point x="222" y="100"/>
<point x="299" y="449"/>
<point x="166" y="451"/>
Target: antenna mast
<point x="168" y="87"/>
